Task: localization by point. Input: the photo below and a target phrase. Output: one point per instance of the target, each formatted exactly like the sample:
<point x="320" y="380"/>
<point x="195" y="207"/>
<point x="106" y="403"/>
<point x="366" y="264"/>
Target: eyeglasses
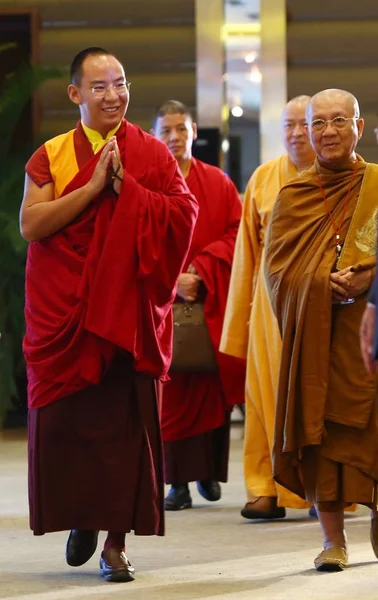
<point x="337" y="122"/>
<point x="120" y="88"/>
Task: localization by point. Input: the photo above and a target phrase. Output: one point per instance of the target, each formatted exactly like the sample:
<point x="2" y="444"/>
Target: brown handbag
<point x="192" y="347"/>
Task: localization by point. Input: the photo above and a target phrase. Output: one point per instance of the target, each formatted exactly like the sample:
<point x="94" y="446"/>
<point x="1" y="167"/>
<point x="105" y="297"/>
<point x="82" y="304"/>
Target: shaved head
<point x="298" y="101"/>
<point x="335" y="126"/>
<point x="341" y="97"/>
<point x="294" y="131"/>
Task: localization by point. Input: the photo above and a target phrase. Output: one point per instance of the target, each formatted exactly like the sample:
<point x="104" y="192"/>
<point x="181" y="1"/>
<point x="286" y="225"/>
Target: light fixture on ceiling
<point x="230" y="29"/>
<point x="250" y="57"/>
<point x="237" y="111"/>
<point x="225" y="146"/>
<point x="254" y="75"/>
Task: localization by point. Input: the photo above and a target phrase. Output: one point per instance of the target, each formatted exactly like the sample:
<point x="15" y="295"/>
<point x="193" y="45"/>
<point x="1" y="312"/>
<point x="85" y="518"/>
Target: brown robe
<point x="326" y="436"/>
<point x="95" y="458"/>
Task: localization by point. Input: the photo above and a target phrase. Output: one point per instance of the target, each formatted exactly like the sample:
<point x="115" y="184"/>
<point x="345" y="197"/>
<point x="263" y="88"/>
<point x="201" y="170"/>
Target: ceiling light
<point x="255" y="75"/>
<point x="225" y="146"/>
<point x="250" y="57"/>
<point x="240" y="29"/>
<point x="237" y="111"/>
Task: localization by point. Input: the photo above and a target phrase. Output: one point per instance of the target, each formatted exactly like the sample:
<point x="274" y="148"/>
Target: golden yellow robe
<point x="251" y="332"/>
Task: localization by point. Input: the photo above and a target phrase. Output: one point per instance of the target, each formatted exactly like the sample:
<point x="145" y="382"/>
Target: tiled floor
<point x="209" y="553"/>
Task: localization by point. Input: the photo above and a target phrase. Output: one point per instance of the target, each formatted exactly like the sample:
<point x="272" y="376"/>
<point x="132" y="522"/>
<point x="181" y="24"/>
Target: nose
<point x="298" y="129"/>
<point x="110" y="92"/>
<point x="330" y="128"/>
<point x="173" y="135"/>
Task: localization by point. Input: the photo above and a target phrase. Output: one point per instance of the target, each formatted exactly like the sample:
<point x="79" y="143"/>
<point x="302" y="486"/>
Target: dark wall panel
<point x="334" y="45"/>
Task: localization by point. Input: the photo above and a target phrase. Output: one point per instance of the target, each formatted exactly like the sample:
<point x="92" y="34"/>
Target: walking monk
<point x="197" y="406"/>
<point x="250" y="329"/>
<point x="320" y="263"/>
<point x="110" y="220"/>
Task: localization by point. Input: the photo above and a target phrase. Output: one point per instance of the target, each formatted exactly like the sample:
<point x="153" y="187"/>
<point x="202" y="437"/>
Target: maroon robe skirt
<point x="200" y="457"/>
<point x="95" y="458"/>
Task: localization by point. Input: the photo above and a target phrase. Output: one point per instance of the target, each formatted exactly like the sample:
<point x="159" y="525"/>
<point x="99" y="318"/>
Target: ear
<point x="360" y="127"/>
<point x="74" y="94"/>
<point x="195" y="131"/>
<point x="152" y="132"/>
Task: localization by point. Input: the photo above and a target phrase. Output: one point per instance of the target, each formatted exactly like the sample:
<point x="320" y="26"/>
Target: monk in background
<point x="250" y="328"/>
<point x="197" y="406"/>
<point x="109" y="219"/>
<point x="320" y="263"/>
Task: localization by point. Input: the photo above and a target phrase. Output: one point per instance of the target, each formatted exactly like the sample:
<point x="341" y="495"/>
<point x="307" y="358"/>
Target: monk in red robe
<point x="110" y="220"/>
<point x="197" y="406"/>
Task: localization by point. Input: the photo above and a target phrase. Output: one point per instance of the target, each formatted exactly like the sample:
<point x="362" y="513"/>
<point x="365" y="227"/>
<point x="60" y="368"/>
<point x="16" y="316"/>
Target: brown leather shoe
<point x="115" y="566"/>
<point x="81" y="545"/>
<point x="374" y="535"/>
<point x="263" y="507"/>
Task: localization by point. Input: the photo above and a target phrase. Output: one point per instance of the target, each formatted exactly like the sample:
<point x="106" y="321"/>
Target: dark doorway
<point x="18" y="41"/>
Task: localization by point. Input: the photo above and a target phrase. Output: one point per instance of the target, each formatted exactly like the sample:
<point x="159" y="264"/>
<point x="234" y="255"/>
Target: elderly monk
<point x="196" y="406"/>
<point x="320" y="262"/>
<point x="110" y="220"/>
<point x="250" y="329"/>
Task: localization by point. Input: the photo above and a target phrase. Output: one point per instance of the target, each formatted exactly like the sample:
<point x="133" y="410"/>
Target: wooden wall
<point x="154" y="39"/>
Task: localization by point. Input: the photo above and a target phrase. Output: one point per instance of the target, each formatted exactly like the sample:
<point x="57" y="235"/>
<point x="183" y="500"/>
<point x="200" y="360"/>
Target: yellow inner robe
<point x="251" y="331"/>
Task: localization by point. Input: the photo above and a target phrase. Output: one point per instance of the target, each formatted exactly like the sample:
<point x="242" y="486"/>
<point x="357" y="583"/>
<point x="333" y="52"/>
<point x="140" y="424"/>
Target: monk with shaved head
<point x="250" y="329"/>
<point x="320" y="262"/>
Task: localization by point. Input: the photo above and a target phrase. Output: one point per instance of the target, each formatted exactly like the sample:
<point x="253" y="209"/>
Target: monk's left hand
<point x="352" y="283"/>
<point x="116" y="163"/>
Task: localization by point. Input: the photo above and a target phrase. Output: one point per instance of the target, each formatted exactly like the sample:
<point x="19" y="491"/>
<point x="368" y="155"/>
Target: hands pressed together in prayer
<point x="349" y="283"/>
<point x="109" y="169"/>
<point x="188" y="284"/>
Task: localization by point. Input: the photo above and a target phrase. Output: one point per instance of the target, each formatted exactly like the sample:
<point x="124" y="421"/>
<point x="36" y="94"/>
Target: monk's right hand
<point x="101" y="174"/>
<point x="188" y="284"/>
<point x="367" y="338"/>
<point x="339" y="287"/>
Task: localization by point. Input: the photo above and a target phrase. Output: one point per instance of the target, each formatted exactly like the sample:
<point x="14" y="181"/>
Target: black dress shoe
<point x="263" y="507"/>
<point x="120" y="568"/>
<point x="209" y="489"/>
<point x="178" y="498"/>
<point x="81" y="545"/>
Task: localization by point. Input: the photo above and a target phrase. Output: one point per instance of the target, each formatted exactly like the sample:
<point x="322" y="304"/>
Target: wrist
<point x="116" y="185"/>
<point x="117" y="180"/>
<point x="89" y="191"/>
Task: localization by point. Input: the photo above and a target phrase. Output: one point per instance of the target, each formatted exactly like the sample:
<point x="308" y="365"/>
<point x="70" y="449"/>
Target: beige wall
<point x="210" y="62"/>
<point x="274" y="77"/>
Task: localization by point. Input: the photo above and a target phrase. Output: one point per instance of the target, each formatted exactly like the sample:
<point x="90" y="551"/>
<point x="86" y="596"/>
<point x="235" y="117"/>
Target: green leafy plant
<point x="17" y="91"/>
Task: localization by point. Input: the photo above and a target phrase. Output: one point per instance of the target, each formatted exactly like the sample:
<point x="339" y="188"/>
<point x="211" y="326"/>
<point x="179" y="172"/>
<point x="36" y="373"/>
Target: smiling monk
<point x="250" y="328"/>
<point x="110" y="220"/>
<point x="320" y="262"/>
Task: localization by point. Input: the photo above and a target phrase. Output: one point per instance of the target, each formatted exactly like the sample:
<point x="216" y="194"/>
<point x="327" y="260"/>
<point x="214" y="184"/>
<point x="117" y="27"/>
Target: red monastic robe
<point x="195" y="403"/>
<point x="106" y="281"/>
